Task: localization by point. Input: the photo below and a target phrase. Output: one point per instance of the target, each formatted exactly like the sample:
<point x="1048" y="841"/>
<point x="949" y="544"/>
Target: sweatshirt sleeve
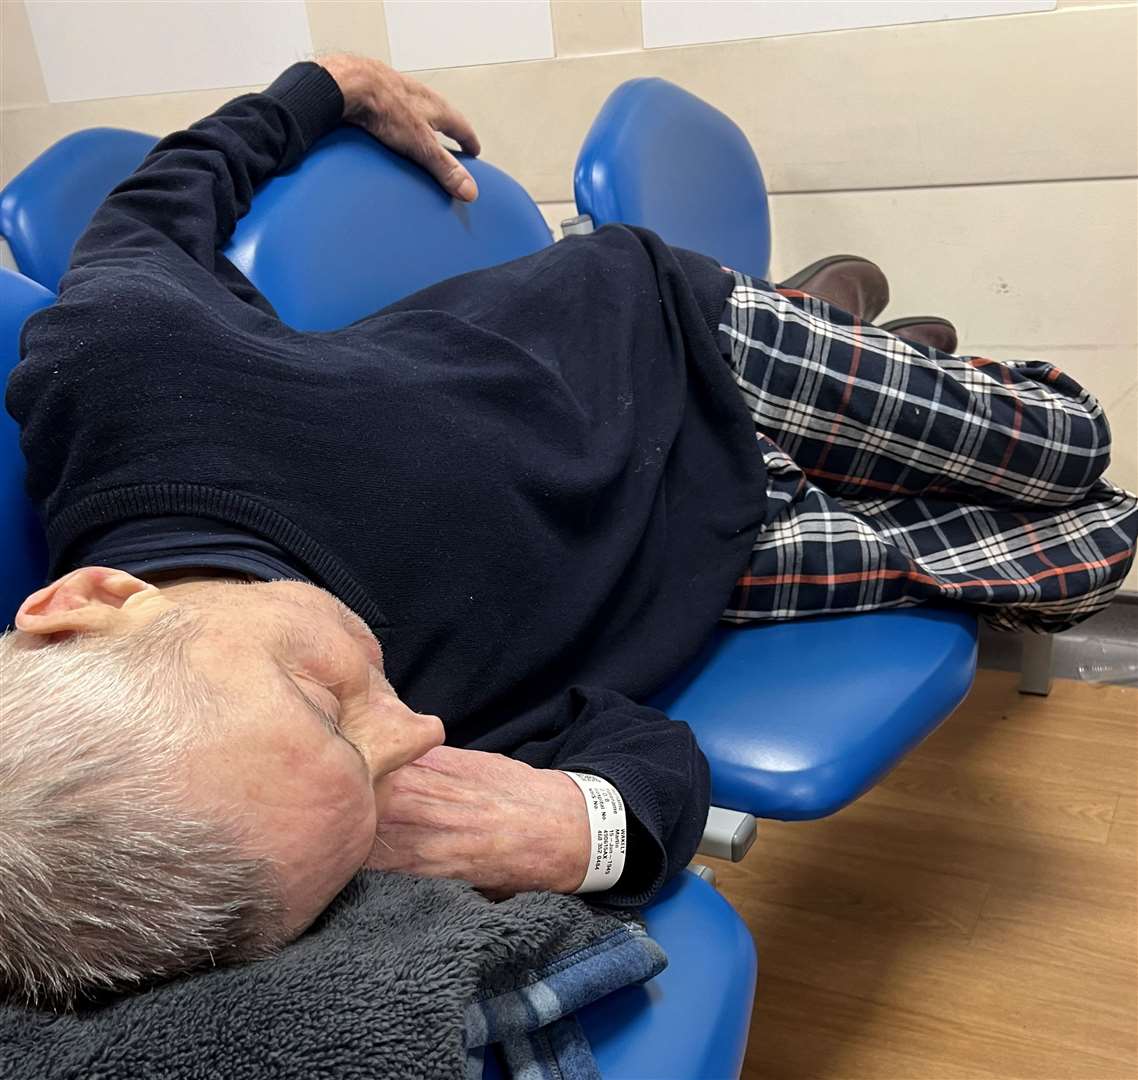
<point x="184" y="200"/>
<point x="655" y="764"/>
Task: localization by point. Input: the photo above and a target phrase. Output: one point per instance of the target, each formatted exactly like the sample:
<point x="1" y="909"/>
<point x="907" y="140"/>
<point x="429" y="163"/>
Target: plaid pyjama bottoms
<point x="900" y="475"/>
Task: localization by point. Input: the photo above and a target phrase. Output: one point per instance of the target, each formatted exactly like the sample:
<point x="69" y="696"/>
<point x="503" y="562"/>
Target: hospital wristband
<point x="608" y="832"/>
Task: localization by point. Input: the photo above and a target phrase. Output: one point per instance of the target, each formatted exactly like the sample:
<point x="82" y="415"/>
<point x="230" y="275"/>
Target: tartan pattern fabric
<point x="899" y="475"/>
<point x="533" y="1020"/>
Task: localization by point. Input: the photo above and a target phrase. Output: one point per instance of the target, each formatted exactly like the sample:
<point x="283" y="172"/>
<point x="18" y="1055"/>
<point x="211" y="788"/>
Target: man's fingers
<point x="443" y="166"/>
<point x="446" y="118"/>
<point x="455" y="126"/>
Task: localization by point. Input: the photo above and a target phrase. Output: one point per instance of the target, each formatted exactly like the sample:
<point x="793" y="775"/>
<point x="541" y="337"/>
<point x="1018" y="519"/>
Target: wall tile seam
<point x="583" y="55"/>
<point x="569" y="198"/>
<point x="1063" y="10"/>
<point x="1067" y="9"/>
<point x="154" y="99"/>
<point x="1079" y="10"/>
<point x="569" y="57"/>
<point x="886" y="189"/>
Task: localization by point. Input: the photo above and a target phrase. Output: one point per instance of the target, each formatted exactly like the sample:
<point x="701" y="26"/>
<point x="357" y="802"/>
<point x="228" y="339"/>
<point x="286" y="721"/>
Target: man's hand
<point x="404" y="114"/>
<point x="487" y="819"/>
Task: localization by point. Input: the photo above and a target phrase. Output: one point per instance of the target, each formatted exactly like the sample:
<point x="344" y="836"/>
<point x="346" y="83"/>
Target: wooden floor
<point x="973" y="916"/>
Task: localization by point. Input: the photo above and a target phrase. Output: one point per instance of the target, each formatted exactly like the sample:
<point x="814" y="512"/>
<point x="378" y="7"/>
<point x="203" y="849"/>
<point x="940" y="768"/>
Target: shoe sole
<point x="916" y="320"/>
<point x="897" y="327"/>
<point x="795" y="280"/>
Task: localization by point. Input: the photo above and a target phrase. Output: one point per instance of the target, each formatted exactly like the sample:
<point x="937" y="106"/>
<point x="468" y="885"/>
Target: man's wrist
<point x="313" y="98"/>
<point x="351" y="77"/>
<point x="570" y="864"/>
<point x="608" y="832"/>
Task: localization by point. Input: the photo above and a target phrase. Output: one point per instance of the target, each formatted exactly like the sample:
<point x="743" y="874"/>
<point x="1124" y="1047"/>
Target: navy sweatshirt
<point x="536" y="483"/>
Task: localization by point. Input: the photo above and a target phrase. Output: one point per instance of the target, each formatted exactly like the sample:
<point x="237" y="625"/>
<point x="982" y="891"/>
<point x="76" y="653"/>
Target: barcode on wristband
<point x="608" y="831"/>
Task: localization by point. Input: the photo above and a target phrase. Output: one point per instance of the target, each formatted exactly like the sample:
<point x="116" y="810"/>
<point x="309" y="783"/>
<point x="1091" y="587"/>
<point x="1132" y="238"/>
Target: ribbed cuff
<point x="313" y="98"/>
<point x="646" y="860"/>
<point x="710" y="282"/>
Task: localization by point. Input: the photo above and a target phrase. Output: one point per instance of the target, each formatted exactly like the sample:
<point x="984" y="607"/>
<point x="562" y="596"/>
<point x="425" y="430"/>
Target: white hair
<point x="108" y="878"/>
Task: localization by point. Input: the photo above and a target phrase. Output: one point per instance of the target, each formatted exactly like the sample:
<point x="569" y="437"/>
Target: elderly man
<point x="539" y="486"/>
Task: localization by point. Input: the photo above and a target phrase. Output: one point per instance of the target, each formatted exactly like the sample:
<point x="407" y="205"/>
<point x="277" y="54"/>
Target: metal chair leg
<point x="1036" y="673"/>
<point x="704" y="872"/>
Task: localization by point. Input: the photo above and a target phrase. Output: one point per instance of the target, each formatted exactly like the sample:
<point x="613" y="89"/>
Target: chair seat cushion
<point x="800" y="718"/>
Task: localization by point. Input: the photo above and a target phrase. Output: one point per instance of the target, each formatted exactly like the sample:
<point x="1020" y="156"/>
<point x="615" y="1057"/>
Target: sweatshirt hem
<point x="140" y="500"/>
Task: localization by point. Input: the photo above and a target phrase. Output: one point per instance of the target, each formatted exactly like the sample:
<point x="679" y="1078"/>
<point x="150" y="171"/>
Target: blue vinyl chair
<point x="660" y="157"/>
<point x="25" y="553"/>
<point x="351" y="229"/>
<point x="45" y="207"/>
<point x="389" y="231"/>
<point x="798" y="718"/>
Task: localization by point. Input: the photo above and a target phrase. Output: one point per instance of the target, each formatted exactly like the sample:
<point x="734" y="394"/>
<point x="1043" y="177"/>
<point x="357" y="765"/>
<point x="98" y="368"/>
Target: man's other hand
<point x="404" y="114"/>
<point x="498" y="823"/>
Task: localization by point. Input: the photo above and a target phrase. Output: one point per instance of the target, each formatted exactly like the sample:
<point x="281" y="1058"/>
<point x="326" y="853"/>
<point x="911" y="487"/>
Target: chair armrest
<point x="581" y="225"/>
<point x="728" y="834"/>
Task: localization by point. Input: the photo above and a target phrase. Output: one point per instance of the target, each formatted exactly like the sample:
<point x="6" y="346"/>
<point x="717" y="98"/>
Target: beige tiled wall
<point x="585" y="27"/>
<point x="990" y="165"/>
<point x="349" y="26"/>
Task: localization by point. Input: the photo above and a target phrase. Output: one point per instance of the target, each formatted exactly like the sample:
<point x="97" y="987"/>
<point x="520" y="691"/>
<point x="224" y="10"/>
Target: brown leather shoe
<point x="925" y="330"/>
<point x="847" y="281"/>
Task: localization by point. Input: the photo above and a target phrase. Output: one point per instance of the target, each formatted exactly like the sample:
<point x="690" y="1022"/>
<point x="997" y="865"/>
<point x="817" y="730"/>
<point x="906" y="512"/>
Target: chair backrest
<point x="25" y="559"/>
<point x="660" y="157"/>
<point x="45" y="208"/>
<point x="355" y="227"/>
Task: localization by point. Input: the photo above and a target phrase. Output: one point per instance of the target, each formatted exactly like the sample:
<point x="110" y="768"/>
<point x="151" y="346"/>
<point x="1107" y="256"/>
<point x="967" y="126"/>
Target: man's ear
<point x="88" y="600"/>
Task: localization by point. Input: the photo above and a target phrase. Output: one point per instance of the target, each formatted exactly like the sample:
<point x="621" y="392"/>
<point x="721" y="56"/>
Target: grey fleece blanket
<point x="401" y="977"/>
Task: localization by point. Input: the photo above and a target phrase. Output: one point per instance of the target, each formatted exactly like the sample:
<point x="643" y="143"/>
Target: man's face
<point x="308" y="733"/>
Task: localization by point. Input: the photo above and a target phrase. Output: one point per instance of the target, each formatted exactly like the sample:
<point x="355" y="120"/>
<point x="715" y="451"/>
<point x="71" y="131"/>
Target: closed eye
<point x="330" y="721"/>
